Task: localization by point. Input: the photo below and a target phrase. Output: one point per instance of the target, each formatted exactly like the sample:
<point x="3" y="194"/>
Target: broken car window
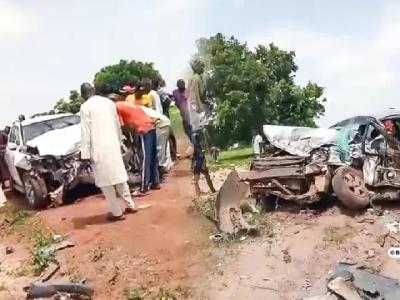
<point x="14" y="136"/>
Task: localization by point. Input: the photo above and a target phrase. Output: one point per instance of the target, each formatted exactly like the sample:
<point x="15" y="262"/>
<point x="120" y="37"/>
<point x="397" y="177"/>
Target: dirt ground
<point x="167" y="246"/>
<point x="154" y="248"/>
<point x="294" y="261"/>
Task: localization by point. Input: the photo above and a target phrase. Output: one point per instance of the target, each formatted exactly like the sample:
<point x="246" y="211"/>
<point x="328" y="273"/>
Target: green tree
<point x="114" y="77"/>
<point x="253" y="88"/>
<point x="72" y="105"/>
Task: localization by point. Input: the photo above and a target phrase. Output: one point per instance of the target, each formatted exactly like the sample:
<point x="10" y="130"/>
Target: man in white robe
<point x="101" y="145"/>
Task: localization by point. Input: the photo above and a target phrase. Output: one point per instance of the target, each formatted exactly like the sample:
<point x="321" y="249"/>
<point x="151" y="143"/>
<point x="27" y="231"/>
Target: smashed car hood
<point x="299" y="141"/>
<point x="58" y="142"/>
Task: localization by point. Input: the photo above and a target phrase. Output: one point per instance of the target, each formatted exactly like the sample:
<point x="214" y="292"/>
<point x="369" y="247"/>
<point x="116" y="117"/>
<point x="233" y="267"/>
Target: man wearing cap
<point x="140" y="97"/>
<point x="101" y="147"/>
<point x="127" y="90"/>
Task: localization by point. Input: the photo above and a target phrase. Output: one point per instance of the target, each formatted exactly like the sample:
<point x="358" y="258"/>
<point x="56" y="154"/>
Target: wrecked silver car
<point x="43" y="158"/>
<point x="358" y="160"/>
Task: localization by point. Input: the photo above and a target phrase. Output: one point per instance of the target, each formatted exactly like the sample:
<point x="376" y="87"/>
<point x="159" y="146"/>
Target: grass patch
<point x="135" y="294"/>
<point x="40" y="256"/>
<point x="231" y="158"/>
<point x="205" y="206"/>
<point x="20" y="222"/>
<point x="262" y="221"/>
<point x="27" y="227"/>
<point x="162" y="294"/>
<point x="96" y="254"/>
<point x="165" y="295"/>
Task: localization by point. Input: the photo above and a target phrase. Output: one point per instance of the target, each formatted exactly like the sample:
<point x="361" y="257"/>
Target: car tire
<point x="349" y="187"/>
<point x="36" y="192"/>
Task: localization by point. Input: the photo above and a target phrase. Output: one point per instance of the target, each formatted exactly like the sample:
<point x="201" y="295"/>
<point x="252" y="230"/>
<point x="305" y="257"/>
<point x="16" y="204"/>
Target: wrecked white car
<point x="357" y="159"/>
<point x="43" y="158"/>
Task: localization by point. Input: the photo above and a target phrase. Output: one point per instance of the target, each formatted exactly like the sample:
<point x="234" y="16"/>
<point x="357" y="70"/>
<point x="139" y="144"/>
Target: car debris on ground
<point x="48" y="290"/>
<point x="9" y="250"/>
<point x="229" y="218"/>
<point x="352" y="282"/>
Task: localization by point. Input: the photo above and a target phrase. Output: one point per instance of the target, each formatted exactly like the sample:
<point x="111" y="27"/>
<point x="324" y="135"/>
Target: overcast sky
<point x="48" y="47"/>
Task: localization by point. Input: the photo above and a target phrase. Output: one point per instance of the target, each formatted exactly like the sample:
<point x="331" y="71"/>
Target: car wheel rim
<point x="354" y="184"/>
<point x="29" y="193"/>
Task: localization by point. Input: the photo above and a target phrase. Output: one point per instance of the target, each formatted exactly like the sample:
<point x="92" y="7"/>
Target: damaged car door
<point x="13" y="155"/>
<point x="381" y="167"/>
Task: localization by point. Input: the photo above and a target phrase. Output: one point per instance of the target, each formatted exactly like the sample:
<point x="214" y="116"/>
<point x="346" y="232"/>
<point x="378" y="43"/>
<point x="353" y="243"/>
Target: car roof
<point x="391" y="112"/>
<point x="44" y="118"/>
<point x="382" y="115"/>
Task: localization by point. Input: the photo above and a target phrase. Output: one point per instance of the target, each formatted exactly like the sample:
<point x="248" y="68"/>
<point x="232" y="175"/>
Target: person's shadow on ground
<point x="81" y="223"/>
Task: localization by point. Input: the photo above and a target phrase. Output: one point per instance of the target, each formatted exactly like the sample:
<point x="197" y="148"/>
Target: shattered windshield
<point x="36" y="129"/>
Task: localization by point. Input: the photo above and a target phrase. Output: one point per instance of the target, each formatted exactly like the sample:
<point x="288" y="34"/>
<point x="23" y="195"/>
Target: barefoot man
<point x="101" y="146"/>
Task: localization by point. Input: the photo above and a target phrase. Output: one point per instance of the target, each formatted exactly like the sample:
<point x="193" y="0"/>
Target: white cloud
<point x="361" y="75"/>
<point x="15" y="21"/>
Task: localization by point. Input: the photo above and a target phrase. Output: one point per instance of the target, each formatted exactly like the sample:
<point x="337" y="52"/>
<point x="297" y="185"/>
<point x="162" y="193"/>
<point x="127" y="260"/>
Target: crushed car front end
<point x="48" y="177"/>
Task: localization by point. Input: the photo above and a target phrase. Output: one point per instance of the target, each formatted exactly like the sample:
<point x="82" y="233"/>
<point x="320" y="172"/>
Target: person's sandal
<point x="113" y="218"/>
<point x="130" y="210"/>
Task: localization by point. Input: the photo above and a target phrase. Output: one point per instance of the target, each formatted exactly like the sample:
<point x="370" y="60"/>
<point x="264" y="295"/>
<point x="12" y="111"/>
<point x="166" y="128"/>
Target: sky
<point x="49" y="47"/>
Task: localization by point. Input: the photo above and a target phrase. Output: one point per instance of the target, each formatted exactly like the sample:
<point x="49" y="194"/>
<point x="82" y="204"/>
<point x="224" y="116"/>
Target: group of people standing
<point x="142" y="111"/>
<point x="102" y="116"/>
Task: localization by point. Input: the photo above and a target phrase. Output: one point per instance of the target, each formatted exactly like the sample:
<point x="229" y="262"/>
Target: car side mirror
<point x="12" y="146"/>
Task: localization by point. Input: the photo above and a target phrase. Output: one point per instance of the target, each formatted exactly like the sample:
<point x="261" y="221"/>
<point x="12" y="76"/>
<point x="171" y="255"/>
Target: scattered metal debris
<point x="216" y="237"/>
<point x="286" y="256"/>
<point x="9" y="250"/>
<point x="228" y="213"/>
<point x="306" y="285"/>
<point x="40" y="290"/>
<point x="49" y="272"/>
<point x="59" y="246"/>
<point x="370" y="253"/>
<point x="343" y="288"/>
<point x="382" y="239"/>
<point x="369" y="220"/>
<point x="353" y="283"/>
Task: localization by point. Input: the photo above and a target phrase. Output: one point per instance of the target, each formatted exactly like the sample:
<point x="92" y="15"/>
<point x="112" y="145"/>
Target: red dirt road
<point x="154" y="248"/>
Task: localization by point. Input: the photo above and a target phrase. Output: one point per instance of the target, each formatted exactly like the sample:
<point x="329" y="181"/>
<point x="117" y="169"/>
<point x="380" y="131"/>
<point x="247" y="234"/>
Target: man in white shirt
<point x="155" y="97"/>
<point x="256" y="141"/>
